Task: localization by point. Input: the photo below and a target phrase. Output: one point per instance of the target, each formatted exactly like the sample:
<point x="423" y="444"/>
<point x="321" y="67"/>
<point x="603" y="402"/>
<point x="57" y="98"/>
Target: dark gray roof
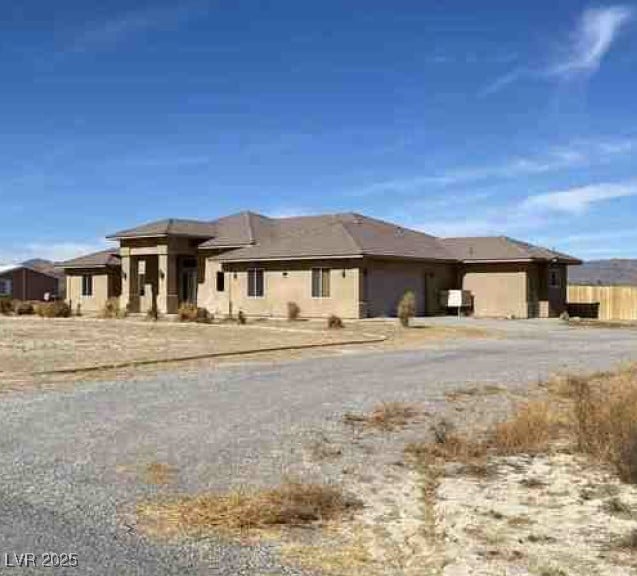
<point x="334" y="236"/>
<point x="102" y="259"/>
<point x="501" y="248"/>
<point x="168" y="227"/>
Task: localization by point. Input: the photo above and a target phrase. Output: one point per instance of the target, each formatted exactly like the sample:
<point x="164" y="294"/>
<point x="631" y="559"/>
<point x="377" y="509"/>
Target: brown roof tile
<point x="102" y="259"/>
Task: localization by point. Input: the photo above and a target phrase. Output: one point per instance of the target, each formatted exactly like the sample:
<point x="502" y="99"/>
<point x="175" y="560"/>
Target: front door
<point x="188" y="281"/>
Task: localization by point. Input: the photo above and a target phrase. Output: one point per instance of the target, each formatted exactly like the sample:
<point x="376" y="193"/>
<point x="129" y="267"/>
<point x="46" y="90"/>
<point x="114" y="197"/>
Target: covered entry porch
<point x="158" y="278"/>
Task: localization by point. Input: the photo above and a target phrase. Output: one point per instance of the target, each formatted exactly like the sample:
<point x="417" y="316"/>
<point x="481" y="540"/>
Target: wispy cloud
<point x="121" y="28"/>
<point x="582" y="51"/>
<point x="502" y="82"/>
<point x="55" y="251"/>
<point x="574" y="154"/>
<point x="593" y="37"/>
<point x="578" y="200"/>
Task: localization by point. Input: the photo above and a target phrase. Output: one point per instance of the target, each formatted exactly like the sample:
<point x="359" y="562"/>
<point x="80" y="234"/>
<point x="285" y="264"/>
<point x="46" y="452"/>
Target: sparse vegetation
<point x="334" y="322"/>
<point x="58" y="309"/>
<point x="159" y="474"/>
<point x="386" y="416"/>
<point x="6" y="305"/>
<point x="241" y="318"/>
<point x="406" y="308"/>
<point x="294" y="311"/>
<point x="23" y="308"/>
<point x="292" y="504"/>
<point x="191" y="313"/>
<point x="605" y="418"/>
<point x="111" y="309"/>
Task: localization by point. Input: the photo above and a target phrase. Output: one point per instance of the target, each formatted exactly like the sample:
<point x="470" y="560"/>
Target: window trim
<point x="89" y="279"/>
<point x="321" y="270"/>
<point x="256" y="272"/>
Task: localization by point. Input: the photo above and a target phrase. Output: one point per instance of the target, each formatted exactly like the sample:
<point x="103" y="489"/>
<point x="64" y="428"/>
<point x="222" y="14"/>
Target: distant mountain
<point x="605" y="272"/>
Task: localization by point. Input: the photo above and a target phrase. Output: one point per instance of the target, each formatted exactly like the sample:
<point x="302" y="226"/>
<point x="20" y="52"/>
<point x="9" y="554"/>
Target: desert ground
<point x="148" y="473"/>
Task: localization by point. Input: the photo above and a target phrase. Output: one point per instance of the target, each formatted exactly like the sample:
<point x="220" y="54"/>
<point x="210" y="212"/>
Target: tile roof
<point x="168" y="227"/>
<point x="501" y="248"/>
<point x="251" y="236"/>
<point x="102" y="259"/>
<point x="335" y="235"/>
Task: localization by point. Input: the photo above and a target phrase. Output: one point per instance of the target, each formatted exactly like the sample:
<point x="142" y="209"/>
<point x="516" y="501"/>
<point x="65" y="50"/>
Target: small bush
<point x="241" y="318"/>
<point x="6" y="305"/>
<point x="334" y="321"/>
<point x="111" y="309"/>
<point x="294" y="311"/>
<point x="605" y="413"/>
<point x="191" y="313"/>
<point x="23" y="308"/>
<point x="58" y="309"/>
<point x="406" y="308"/>
<point x="529" y="431"/>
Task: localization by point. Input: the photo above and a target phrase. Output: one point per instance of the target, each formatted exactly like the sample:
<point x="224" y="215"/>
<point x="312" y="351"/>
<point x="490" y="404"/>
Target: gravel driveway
<point x="73" y="460"/>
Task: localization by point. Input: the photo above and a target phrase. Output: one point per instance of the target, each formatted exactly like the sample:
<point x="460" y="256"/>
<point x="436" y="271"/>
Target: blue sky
<point x="456" y="117"/>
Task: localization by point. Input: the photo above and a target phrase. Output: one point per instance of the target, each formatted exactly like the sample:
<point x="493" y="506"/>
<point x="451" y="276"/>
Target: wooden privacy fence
<point x="615" y="302"/>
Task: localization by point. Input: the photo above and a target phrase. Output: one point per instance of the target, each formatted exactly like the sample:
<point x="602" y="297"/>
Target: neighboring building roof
<point x="501" y="249"/>
<point x="335" y="236"/>
<point x="38" y="265"/>
<point x="102" y="259"/>
<point x="168" y="227"/>
<point x="615" y="272"/>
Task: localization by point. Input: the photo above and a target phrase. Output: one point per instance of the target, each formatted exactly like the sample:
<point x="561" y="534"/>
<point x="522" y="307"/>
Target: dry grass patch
<point x="292" y="504"/>
<point x="605" y="418"/>
<point x="386" y="416"/>
<point x="159" y="474"/>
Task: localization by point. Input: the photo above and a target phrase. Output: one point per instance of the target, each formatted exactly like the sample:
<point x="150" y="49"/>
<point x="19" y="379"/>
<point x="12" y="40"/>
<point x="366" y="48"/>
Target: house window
<point x="5" y="287"/>
<point x="554" y="279"/>
<point x="221" y="281"/>
<point x="87" y="285"/>
<point x="320" y="282"/>
<point x="255" y="283"/>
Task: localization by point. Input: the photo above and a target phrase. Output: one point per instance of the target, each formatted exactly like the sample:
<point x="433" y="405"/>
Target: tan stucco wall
<point x="289" y="282"/>
<point x="383" y="283"/>
<point x="498" y="289"/>
<point x="218" y="303"/>
<point x="101" y="292"/>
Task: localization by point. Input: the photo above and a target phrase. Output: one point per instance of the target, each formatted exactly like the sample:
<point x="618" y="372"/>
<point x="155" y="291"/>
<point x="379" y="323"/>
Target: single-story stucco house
<point x="32" y="280"/>
<point x="344" y="264"/>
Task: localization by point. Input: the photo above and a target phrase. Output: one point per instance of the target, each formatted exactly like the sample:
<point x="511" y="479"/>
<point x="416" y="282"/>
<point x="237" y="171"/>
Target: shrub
<point x="334" y="321"/>
<point x="23" y="308"/>
<point x="605" y="414"/>
<point x="112" y="310"/>
<point x="241" y="318"/>
<point x="406" y="307"/>
<point x="529" y="431"/>
<point x="191" y="313"/>
<point x="6" y="305"/>
<point x="293" y="311"/>
<point x="58" y="309"/>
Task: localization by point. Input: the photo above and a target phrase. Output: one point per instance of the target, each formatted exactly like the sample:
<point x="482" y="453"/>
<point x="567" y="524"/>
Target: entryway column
<point x="168" y="293"/>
